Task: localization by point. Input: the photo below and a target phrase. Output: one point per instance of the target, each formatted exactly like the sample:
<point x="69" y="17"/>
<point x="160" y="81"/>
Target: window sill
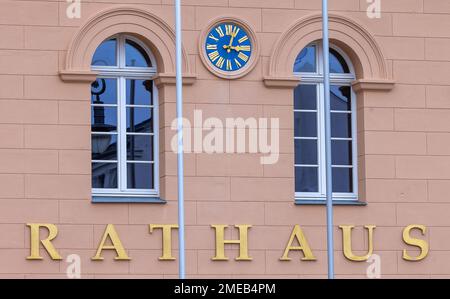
<point x="340" y="202"/>
<point x="127" y="199"/>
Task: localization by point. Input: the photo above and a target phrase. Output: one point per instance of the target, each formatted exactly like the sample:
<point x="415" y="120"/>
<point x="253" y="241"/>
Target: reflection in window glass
<point x="140" y="176"/>
<point x="306" y="152"/>
<point x="341" y="125"/>
<point x="104" y="119"/>
<point x="104" y="175"/>
<point x="341" y="152"/>
<point x="104" y="147"/>
<point x="139" y="120"/>
<point x="104" y="91"/>
<point x="135" y="55"/>
<point x="306" y="179"/>
<point x="106" y="54"/>
<point x="305" y="124"/>
<point x="340" y="98"/>
<point x="306" y="61"/>
<point x="139" y="92"/>
<point x="140" y="148"/>
<point x="305" y="97"/>
<point x="337" y="63"/>
<point x="309" y="126"/>
<point x="342" y="180"/>
<point x="123" y="147"/>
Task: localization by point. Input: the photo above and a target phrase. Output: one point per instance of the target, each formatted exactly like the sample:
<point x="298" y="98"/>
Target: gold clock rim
<point x="230" y="75"/>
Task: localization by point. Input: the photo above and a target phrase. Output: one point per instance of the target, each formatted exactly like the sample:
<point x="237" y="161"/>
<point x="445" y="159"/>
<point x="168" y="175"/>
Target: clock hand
<point x="237" y="48"/>
<point x="230" y="46"/>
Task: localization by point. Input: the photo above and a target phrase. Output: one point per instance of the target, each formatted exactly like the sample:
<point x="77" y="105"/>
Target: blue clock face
<point x="228" y="47"/>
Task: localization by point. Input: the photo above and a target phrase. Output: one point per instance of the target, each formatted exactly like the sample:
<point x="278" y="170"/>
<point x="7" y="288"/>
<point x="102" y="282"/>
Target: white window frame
<point x="121" y="73"/>
<point x="316" y="78"/>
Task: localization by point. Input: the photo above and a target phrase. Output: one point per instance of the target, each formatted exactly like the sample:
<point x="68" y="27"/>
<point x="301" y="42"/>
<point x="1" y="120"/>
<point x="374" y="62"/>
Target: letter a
<point x="297" y="234"/>
<point x="111" y="233"/>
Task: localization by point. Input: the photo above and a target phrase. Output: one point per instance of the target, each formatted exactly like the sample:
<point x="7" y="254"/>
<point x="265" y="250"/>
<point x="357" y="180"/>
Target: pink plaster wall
<point x="45" y="149"/>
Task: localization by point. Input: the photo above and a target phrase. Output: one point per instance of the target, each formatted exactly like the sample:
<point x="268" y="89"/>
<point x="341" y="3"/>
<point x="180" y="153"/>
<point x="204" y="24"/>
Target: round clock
<point x="228" y="48"/>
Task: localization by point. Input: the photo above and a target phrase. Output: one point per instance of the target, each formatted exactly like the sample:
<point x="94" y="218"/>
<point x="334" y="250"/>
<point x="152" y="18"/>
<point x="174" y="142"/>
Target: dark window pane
<point x="136" y="55"/>
<point x="341" y="98"/>
<point x="104" y="119"/>
<point x="139" y="120"/>
<point x="139" y="92"/>
<point x="140" y="176"/>
<point x="306" y="179"/>
<point x="306" y="61"/>
<point x="306" y="152"/>
<point x="140" y="148"/>
<point x="305" y="124"/>
<point x="343" y="180"/>
<point x="104" y="147"/>
<point x="104" y="175"/>
<point x="105" y="55"/>
<point x="305" y="97"/>
<point x="341" y="125"/>
<point x="341" y="152"/>
<point x="337" y="63"/>
<point x="104" y="91"/>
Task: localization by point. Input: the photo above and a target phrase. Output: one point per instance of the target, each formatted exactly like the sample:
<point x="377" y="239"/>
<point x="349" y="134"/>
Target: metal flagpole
<point x="180" y="151"/>
<point x="329" y="169"/>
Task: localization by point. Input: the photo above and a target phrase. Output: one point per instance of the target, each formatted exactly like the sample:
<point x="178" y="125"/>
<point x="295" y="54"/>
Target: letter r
<point x="35" y="240"/>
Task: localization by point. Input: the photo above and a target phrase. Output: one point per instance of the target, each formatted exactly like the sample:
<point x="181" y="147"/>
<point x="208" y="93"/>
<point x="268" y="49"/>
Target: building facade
<point x="88" y="171"/>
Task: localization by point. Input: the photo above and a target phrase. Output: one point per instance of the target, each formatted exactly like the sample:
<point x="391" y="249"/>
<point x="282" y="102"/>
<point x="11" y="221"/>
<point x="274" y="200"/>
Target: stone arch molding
<point x="148" y="27"/>
<point x="366" y="55"/>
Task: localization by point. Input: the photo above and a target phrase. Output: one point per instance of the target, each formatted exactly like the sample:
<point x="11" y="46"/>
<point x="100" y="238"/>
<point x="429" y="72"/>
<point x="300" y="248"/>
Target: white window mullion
<point x="122" y="119"/>
<point x="354" y="142"/>
<point x="319" y="59"/>
<point x="121" y="47"/>
<point x="321" y="143"/>
<point x="155" y="138"/>
<point x="321" y="125"/>
<point x="122" y="135"/>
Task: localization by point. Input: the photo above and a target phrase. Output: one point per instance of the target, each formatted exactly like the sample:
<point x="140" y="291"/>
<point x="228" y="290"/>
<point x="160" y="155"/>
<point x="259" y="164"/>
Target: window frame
<point x="335" y="79"/>
<point x="122" y="73"/>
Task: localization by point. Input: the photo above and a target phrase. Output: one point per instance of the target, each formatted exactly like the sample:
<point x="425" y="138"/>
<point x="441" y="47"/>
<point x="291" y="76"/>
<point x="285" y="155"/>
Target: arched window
<point x="124" y="118"/>
<point x="309" y="123"/>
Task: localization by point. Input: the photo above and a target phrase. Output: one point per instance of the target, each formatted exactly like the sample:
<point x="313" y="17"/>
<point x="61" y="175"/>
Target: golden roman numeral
<point x="229" y="29"/>
<point x="245" y="48"/>
<point x="220" y="62"/>
<point x="220" y="31"/>
<point x="237" y="63"/>
<point x="243" y="39"/>
<point x="213" y="37"/>
<point x="211" y="47"/>
<point x="243" y="57"/>
<point x="236" y="31"/>
<point x="229" y="66"/>
<point x="213" y="56"/>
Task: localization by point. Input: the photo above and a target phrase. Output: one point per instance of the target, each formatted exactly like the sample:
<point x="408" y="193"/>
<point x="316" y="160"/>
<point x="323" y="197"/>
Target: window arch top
<point x="122" y="51"/>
